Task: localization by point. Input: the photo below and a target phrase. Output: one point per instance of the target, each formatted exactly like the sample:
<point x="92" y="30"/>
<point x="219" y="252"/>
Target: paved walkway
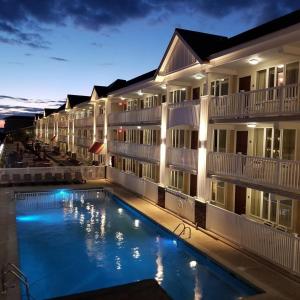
<point x="263" y="275"/>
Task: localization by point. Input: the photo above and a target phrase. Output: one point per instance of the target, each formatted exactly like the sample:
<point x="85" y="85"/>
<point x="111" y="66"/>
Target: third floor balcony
<point x="84" y="122"/>
<point x="280" y="101"/>
<point x="140" y="151"/>
<point x="142" y="116"/>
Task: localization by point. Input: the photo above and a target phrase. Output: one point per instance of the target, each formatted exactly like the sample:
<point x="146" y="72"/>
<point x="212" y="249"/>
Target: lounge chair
<point x="78" y="178"/>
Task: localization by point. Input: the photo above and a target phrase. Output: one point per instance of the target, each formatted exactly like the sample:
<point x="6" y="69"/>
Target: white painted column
<point x="203" y="186"/>
<point x="163" y="176"/>
<point x="94" y="125"/>
<point x="68" y="132"/>
<point x="73" y="134"/>
<point x="107" y="110"/>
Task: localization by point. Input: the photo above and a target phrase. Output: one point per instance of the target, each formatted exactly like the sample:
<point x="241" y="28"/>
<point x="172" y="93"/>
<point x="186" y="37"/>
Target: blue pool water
<point x="82" y="244"/>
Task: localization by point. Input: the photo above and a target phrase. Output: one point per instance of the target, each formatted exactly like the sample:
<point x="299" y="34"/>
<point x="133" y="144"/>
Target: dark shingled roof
<point x="103" y="91"/>
<point x="266" y="28"/>
<point x="49" y="111"/>
<point x="62" y="107"/>
<point x="77" y="99"/>
<point x="203" y="44"/>
<point x="148" y="75"/>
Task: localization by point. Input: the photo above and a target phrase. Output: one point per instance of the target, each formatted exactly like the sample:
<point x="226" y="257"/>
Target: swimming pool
<point x="78" y="242"/>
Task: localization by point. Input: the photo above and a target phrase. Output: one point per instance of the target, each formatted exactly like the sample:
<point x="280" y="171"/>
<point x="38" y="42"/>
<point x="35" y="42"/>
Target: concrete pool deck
<point x="275" y="283"/>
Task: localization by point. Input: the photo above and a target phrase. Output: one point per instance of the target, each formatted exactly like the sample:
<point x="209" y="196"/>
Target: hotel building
<point x="213" y="134"/>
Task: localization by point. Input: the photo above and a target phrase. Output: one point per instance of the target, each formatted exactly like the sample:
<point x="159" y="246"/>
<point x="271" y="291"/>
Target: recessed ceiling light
<point x="253" y="61"/>
<point x="140" y="93"/>
<point x="251" y="125"/>
<point x="183" y="89"/>
<point x="199" y="76"/>
<point x="280" y="66"/>
<point x="163" y="86"/>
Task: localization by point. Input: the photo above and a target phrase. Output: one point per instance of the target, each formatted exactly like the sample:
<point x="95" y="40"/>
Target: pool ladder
<point x="17" y="273"/>
<point x="184" y="228"/>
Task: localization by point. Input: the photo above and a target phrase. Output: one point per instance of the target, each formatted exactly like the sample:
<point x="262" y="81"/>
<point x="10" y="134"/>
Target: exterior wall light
<point x="251" y="125"/>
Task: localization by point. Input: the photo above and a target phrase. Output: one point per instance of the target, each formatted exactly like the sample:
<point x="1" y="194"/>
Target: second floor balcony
<point x="143" y="116"/>
<point x="280" y="101"/>
<point x="184" y="113"/>
<point x="273" y="174"/>
<point x="62" y="138"/>
<point x="140" y="151"/>
<point x="183" y="158"/>
<point x="83" y="141"/>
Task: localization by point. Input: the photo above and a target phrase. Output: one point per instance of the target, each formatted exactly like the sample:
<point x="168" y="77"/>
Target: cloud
<point x="10" y="105"/>
<point x="13" y="35"/>
<point x="59" y="59"/>
<point x="19" y="16"/>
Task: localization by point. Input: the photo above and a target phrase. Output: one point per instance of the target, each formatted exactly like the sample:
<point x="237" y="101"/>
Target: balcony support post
<point x="163" y="180"/>
<point x="203" y="181"/>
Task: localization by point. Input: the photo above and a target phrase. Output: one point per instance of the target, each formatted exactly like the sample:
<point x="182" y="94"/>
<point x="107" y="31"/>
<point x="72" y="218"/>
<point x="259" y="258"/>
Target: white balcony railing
<point x="181" y="204"/>
<point x="84" y="122"/>
<point x="143" y="116"/>
<point x="268" y="172"/>
<point x="63" y="124"/>
<point x="62" y="138"/>
<point x="184" y="113"/>
<point x="138" y="185"/>
<point x="276" y="101"/>
<point x="83" y="141"/>
<point x="183" y="158"/>
<point x="148" y="152"/>
<point x="279" y="247"/>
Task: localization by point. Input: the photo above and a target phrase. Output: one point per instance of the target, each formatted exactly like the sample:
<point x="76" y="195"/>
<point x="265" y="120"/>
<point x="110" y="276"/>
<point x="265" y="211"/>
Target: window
<point x="218" y="193"/>
<point x="292" y="71"/>
<point x="101" y="110"/>
<point x="176" y="179"/>
<point x="129" y="165"/>
<point x="100" y="134"/>
<point x="151" y="137"/>
<point x="288" y="144"/>
<point x="177" y="137"/>
<point x="219" y="87"/>
<point x="280" y="143"/>
<point x="271" y="208"/>
<point x="261" y="79"/>
<point x="151" y="101"/>
<point x="220" y="140"/>
<point x="131" y="136"/>
<point x="132" y="105"/>
<point x="178" y="96"/>
<point x="151" y="171"/>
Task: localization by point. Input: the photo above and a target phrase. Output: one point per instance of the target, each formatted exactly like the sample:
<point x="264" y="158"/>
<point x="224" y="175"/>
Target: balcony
<point x="183" y="158"/>
<point x="274" y="174"/>
<point x="84" y="122"/>
<point x="184" y="113"/>
<point x="147" y="152"/>
<point x="280" y="101"/>
<point x="143" y="116"/>
<point x="63" y="124"/>
<point x="83" y="141"/>
<point x="63" y="138"/>
<point x="100" y="120"/>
